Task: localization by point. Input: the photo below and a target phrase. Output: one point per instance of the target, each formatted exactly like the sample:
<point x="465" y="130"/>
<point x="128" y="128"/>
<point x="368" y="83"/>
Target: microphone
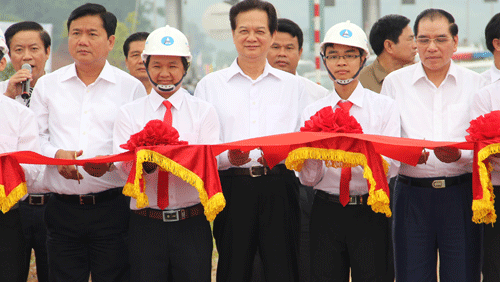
<point x="25" y="94"/>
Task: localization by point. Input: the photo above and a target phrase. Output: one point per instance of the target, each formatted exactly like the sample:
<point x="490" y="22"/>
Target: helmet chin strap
<point x="164" y="87"/>
<point x="343" y="81"/>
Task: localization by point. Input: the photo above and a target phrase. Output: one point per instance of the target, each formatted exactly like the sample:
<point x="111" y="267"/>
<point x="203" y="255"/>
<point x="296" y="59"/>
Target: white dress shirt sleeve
<point x="39" y="106"/>
<point x="28" y="141"/>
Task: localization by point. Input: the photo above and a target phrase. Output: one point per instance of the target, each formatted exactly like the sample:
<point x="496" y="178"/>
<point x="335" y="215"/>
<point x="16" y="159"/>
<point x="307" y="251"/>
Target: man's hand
<point x="423" y="157"/>
<point x="96" y="170"/>
<point x="447" y="154"/>
<point x="238" y="158"/>
<point x="68" y="171"/>
<point x="14" y="87"/>
<point x="149" y="167"/>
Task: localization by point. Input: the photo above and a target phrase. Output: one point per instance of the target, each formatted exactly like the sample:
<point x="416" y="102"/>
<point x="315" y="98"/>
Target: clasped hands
<point x="444" y="154"/>
<point x="71" y="171"/>
<point x="239" y="158"/>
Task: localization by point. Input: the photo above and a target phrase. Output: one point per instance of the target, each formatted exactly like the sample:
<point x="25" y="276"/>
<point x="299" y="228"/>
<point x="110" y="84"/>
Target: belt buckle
<point x="173" y="215"/>
<point x="353" y="200"/>
<point x="439" y="183"/>
<point x="252" y="174"/>
<point x="82" y="197"/>
<point x="36" y="203"/>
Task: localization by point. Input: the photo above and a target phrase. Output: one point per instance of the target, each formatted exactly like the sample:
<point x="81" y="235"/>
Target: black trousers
<point x="35" y="233"/>
<point x="352" y="238"/>
<point x="170" y="251"/>
<point x="84" y="239"/>
<point x="306" y="197"/>
<point x="12" y="247"/>
<point x="263" y="213"/>
<point x="491" y="247"/>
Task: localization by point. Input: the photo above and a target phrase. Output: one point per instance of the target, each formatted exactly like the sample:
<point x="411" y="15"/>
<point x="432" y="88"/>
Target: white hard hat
<point x="166" y="41"/>
<point x="3" y="45"/>
<point x="346" y="33"/>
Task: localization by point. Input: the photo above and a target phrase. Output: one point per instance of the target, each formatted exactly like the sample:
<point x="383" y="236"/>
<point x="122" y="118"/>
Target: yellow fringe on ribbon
<point x="484" y="209"/>
<point x="212" y="206"/>
<point x="377" y="199"/>
<point x="6" y="202"/>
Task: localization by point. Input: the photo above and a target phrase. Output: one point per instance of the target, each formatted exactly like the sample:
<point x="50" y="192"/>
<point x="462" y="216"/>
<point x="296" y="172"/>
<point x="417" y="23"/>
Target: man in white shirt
<point x="285" y="54"/>
<point x="76" y="106"/>
<point x="29" y="44"/>
<point x="132" y="48"/>
<point x="485" y="101"/>
<point x="254" y="99"/>
<point x="160" y="247"/>
<point x="338" y="232"/>
<point x="433" y="200"/>
<point x="18" y="132"/>
<point x="492" y="34"/>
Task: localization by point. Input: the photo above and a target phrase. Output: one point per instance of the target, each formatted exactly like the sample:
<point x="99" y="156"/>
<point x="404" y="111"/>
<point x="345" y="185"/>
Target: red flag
<point x="12" y="182"/>
<point x="195" y="164"/>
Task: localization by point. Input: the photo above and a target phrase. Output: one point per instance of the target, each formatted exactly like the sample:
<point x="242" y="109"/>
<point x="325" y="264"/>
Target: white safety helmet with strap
<point x="167" y="41"/>
<point x="349" y="34"/>
<point x="3" y="45"/>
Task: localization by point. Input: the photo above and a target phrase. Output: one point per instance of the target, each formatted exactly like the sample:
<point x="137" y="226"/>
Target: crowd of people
<point x="277" y="225"/>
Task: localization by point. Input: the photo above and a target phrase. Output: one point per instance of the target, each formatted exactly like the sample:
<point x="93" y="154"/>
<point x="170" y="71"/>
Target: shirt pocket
<point x="190" y="137"/>
<point x="8" y="143"/>
<point x="458" y="119"/>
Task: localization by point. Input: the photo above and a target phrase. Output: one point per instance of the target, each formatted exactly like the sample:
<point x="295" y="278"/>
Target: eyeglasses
<point x="424" y="41"/>
<point x="347" y="58"/>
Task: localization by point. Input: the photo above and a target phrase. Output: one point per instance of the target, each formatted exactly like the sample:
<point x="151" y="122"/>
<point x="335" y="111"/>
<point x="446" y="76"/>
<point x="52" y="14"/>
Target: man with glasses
<point x="433" y="200"/>
<point x="348" y="237"/>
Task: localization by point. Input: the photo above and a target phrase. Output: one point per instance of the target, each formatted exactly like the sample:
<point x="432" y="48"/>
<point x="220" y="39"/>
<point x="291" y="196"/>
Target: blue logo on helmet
<point x="346" y="33"/>
<point x="167" y="41"/>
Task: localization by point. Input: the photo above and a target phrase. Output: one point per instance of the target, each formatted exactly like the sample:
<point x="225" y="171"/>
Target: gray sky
<point x="478" y="14"/>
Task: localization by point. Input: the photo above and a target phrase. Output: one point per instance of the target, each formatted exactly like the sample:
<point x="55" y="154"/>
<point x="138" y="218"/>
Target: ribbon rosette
<point x="345" y="152"/>
<point x="485" y="133"/>
<point x="196" y="164"/>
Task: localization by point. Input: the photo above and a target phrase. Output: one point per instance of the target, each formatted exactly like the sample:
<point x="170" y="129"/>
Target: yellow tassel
<point x="483" y="209"/>
<point x="212" y="207"/>
<point x="7" y="202"/>
<point x="378" y="200"/>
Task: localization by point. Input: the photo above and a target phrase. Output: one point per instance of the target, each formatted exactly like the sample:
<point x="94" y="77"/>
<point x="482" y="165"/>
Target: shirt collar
<point x="235" y="70"/>
<point x="106" y="73"/>
<point x="420" y="73"/>
<point x="176" y="99"/>
<point x="356" y="97"/>
<point x="495" y="73"/>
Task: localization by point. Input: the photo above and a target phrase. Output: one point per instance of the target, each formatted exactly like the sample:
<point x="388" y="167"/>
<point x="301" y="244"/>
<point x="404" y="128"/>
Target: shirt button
<point x="253" y="121"/>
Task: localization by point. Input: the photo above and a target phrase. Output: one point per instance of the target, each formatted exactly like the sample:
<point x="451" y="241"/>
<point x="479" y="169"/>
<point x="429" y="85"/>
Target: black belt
<point x="37" y="199"/>
<point x="92" y="198"/>
<point x="254" y="171"/>
<point x="435" y="182"/>
<point x="353" y="200"/>
<point x="171" y="215"/>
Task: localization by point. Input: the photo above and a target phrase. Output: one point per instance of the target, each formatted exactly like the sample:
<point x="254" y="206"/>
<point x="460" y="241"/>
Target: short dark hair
<point x="27" y="26"/>
<point x="387" y="27"/>
<point x="434" y="14"/>
<point x="90" y="9"/>
<point x="138" y="36"/>
<point x="492" y="31"/>
<point x="248" y="5"/>
<point x="290" y="27"/>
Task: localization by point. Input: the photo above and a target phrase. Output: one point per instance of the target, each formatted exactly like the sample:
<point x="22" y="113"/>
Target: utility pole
<point x="371" y="13"/>
<point x="173" y="13"/>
